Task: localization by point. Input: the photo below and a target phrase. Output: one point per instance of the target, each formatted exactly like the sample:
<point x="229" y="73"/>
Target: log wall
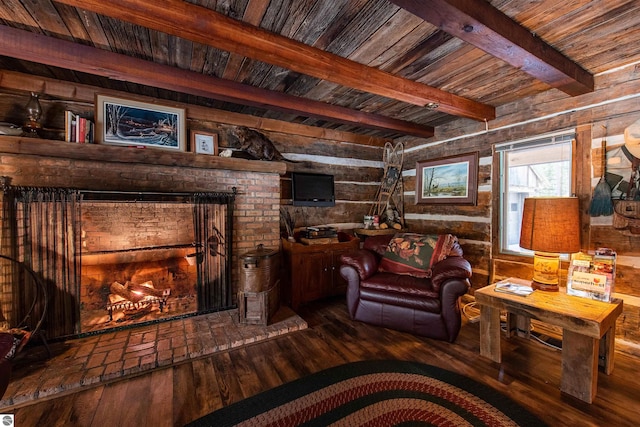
<point x="354" y="160"/>
<point x="614" y="105"/>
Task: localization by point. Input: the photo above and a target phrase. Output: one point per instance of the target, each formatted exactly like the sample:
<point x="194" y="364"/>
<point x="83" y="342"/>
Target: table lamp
<point x="550" y="226"/>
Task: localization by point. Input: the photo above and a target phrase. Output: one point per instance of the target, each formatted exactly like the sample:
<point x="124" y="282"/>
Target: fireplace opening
<point x="135" y="286"/>
<point x="113" y="259"/>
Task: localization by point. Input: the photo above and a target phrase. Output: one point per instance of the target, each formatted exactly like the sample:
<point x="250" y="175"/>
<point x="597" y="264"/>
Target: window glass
<point x="539" y="170"/>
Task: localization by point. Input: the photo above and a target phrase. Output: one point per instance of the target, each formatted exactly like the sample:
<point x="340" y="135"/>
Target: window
<point x="540" y="167"/>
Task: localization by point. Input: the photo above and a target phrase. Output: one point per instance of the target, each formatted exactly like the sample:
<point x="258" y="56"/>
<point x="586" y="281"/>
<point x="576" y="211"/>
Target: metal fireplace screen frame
<point x="41" y="228"/>
<point x="213" y="225"/>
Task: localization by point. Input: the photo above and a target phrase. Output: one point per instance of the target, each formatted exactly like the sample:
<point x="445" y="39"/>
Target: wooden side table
<point x="588" y="332"/>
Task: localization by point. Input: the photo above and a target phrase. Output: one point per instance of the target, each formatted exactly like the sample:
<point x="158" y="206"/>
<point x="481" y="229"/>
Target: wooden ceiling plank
<point x="93" y="28"/>
<point x="383" y="41"/>
<point x="71" y="19"/>
<point x="205" y="26"/>
<point x="252" y="15"/>
<point x="425" y="47"/>
<point x="477" y="22"/>
<point x="337" y="26"/>
<point x="60" y="53"/>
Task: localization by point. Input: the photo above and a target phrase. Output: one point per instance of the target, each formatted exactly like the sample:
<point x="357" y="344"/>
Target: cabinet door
<point x="337" y="285"/>
<point x="312" y="276"/>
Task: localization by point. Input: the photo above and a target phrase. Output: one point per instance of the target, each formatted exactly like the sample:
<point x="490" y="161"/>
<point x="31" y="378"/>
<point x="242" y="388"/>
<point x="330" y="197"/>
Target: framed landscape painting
<point x="139" y="124"/>
<point x="448" y="180"/>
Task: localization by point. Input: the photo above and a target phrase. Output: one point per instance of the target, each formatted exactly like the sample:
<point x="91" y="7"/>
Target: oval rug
<point x="376" y="393"/>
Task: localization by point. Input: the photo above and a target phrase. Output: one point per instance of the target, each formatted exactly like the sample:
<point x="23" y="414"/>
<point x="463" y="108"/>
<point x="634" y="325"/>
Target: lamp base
<point x="546" y="268"/>
<point x="31" y="129"/>
<point x="544" y="286"/>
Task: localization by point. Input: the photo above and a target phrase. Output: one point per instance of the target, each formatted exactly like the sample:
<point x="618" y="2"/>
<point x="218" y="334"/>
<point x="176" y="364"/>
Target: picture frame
<point x="448" y="180"/>
<point x="121" y="121"/>
<point x="204" y="142"/>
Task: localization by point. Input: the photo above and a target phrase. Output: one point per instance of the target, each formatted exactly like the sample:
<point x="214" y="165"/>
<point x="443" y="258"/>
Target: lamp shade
<point x="551" y="224"/>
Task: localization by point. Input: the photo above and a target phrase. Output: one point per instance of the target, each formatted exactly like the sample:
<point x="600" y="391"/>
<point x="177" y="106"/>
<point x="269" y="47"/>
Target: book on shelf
<point x="592" y="276"/>
<point x="69" y="126"/>
<point x="514" y="286"/>
<point x="78" y="128"/>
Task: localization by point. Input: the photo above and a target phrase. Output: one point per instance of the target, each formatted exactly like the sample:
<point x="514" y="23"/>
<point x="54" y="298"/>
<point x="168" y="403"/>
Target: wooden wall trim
<point x="112" y="154"/>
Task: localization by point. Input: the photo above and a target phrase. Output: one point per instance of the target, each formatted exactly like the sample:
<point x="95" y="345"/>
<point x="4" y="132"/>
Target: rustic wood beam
<point x="202" y="25"/>
<point x="479" y="23"/>
<point x="74" y="56"/>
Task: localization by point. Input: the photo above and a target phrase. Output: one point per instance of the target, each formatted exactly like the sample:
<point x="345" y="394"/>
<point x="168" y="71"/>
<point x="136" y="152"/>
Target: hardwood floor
<point x="530" y="374"/>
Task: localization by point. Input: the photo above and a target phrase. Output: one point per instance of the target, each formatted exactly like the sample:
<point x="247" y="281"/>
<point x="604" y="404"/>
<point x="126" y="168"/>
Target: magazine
<point x="514" y="286"/>
<point x="592" y="276"/>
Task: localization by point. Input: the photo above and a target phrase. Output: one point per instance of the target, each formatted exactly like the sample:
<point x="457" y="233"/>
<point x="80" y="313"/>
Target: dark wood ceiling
<point x="376" y="67"/>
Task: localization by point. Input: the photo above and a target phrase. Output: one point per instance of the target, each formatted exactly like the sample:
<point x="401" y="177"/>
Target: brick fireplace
<point x="141" y="242"/>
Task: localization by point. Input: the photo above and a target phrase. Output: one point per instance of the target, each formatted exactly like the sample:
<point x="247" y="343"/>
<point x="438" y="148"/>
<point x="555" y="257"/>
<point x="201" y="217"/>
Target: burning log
<point x="134" y="292"/>
<point x="135" y="298"/>
<point x="146" y="288"/>
<point x="125" y="292"/>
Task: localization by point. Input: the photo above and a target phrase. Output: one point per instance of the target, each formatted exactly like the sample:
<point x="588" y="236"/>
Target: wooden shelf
<point x="121" y="154"/>
<point x="377" y="231"/>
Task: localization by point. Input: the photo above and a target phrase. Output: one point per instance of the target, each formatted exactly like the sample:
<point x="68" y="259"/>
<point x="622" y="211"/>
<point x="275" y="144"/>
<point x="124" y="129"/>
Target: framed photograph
<point x="448" y="180"/>
<point x="127" y="122"/>
<point x="204" y="142"/>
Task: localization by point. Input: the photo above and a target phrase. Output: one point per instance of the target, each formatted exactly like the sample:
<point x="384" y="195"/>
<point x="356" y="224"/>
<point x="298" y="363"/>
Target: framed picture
<point x="204" y="142"/>
<point x="448" y="180"/>
<point x="134" y="123"/>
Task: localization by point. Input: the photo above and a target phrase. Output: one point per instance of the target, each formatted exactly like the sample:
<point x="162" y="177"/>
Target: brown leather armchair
<point x="422" y="306"/>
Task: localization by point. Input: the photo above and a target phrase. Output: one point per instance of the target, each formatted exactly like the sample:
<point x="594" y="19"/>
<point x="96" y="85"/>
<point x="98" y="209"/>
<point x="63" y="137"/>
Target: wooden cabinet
<point x="312" y="271"/>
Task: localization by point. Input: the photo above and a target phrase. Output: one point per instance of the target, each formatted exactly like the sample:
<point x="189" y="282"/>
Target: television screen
<point x="312" y="189"/>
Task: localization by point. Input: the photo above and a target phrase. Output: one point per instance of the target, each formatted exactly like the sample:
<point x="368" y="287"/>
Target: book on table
<point x="514" y="286"/>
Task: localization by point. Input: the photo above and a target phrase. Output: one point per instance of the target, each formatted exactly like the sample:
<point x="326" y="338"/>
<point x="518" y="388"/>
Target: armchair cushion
<point x="400" y="290"/>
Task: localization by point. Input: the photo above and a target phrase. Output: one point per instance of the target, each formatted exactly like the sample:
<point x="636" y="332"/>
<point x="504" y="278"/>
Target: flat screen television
<point x="312" y="189"/>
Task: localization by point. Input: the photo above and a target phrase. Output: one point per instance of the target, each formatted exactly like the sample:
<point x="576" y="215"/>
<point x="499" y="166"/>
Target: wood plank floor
<point x="530" y="374"/>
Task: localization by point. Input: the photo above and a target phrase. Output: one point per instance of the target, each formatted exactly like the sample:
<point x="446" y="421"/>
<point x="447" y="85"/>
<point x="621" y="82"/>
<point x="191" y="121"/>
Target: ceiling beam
<point x="201" y="25"/>
<point x="34" y="47"/>
<point x="479" y="23"/>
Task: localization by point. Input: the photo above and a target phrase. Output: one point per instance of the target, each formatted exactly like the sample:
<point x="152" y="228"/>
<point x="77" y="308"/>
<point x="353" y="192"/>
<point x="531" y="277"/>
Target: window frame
<point x="502" y="204"/>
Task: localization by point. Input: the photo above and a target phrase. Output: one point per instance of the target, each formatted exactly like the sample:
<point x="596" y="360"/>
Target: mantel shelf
<point x="121" y="154"/>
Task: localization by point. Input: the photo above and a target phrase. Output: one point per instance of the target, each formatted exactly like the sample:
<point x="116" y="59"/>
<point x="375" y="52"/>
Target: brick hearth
<point x="85" y="362"/>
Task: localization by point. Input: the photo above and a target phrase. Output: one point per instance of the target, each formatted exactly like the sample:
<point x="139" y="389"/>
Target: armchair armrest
<point x="363" y="261"/>
<point x="450" y="268"/>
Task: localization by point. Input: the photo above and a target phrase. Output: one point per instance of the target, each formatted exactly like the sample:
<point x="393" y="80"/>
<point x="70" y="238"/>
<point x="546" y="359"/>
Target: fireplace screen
<point x="111" y="259"/>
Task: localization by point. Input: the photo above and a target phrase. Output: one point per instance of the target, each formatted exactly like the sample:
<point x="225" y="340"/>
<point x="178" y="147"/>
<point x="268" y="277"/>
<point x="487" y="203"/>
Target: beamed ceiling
<point x="384" y="68"/>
